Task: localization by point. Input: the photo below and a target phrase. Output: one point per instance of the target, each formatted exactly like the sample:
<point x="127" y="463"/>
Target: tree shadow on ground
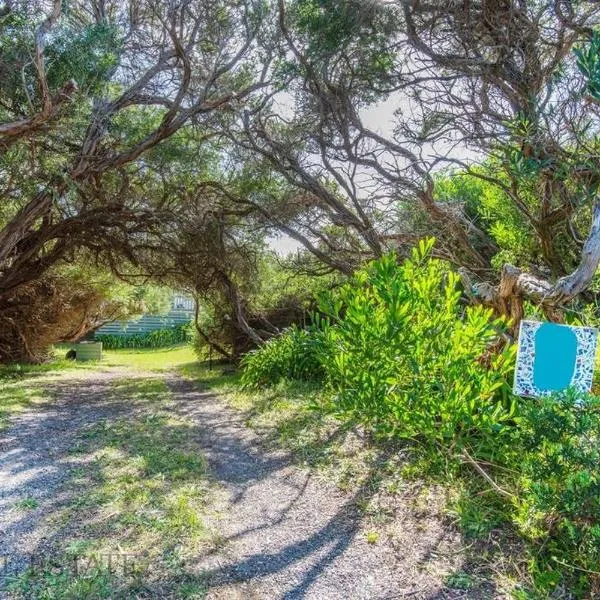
<point x="320" y="548"/>
<point x="46" y="446"/>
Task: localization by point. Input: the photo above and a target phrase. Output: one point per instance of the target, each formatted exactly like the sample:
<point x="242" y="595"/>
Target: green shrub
<point x="399" y="353"/>
<point x="159" y="338"/>
<point x="404" y="356"/>
<point x="558" y="507"/>
<point x="291" y="355"/>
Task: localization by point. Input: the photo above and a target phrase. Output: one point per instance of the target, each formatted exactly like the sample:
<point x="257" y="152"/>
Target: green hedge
<point x="159" y="338"/>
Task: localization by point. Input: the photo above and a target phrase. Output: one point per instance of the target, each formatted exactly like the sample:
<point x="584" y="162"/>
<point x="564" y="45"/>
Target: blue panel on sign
<point x="555" y="357"/>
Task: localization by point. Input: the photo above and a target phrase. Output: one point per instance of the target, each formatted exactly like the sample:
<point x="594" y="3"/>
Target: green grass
<point x="152" y="359"/>
<point x="56" y="583"/>
<point x="27" y="504"/>
<point x="163" y="359"/>
<point x="17" y="394"/>
<point x="23" y="385"/>
<point x="142" y="494"/>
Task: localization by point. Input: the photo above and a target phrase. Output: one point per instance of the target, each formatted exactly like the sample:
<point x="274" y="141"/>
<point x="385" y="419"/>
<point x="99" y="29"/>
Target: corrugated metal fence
<point x="146" y="323"/>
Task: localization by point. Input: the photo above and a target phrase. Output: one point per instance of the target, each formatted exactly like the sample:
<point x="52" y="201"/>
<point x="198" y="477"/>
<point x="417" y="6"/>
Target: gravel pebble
<point x="283" y="532"/>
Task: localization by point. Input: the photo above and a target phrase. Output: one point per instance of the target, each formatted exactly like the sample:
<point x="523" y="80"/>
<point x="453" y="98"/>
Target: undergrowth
<point x="399" y="357"/>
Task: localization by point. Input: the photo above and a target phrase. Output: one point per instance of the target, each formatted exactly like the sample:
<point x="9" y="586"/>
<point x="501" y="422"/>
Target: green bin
<point x="88" y="351"/>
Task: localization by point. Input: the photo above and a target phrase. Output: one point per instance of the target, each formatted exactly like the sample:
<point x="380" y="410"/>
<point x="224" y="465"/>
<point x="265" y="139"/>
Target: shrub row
<point x="399" y="353"/>
<point x="159" y="338"/>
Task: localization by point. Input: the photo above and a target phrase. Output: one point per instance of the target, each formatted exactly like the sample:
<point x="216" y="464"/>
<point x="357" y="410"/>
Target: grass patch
<point x="27" y="504"/>
<point x="22" y="385"/>
<point x="150" y="359"/>
<point x="162" y="359"/>
<point x="15" y="371"/>
<point x="55" y="582"/>
<point x="17" y="393"/>
<point x="139" y="500"/>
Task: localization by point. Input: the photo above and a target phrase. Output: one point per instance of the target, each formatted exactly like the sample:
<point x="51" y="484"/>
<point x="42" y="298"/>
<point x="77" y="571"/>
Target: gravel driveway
<point x="284" y="533"/>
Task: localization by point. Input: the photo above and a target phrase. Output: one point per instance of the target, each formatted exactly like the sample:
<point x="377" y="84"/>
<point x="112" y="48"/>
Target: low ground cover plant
<point x="159" y="338"/>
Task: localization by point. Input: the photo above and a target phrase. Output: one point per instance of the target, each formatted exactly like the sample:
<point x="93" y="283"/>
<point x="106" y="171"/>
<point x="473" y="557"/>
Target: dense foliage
<point x="400" y="354"/>
<point x="291" y="355"/>
<point x="105" y="115"/>
<point x="159" y="338"/>
<point x="558" y="503"/>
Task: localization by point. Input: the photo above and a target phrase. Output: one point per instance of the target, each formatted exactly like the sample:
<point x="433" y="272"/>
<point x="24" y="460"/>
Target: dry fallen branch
<point x="470" y="460"/>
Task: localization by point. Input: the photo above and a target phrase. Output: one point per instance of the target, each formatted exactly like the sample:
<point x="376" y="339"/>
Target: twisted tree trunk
<point x="517" y="286"/>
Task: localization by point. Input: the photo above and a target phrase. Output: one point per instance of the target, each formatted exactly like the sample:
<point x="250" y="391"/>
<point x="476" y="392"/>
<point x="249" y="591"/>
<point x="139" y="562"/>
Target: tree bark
<point x="24" y="221"/>
<point x="238" y="308"/>
<point x="569" y="286"/>
<point x="517" y="286"/>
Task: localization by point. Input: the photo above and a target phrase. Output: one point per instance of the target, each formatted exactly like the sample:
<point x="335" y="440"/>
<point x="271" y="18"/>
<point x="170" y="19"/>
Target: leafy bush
<point x="399" y="353"/>
<point x="291" y="355"/>
<point x="492" y="210"/>
<point x="559" y="492"/>
<point x="159" y="338"/>
<point x="402" y="355"/>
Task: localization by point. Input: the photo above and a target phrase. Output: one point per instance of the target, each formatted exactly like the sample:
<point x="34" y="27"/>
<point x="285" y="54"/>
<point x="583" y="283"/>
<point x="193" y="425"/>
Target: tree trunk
<point x="569" y="286"/>
<point x="516" y="286"/>
<point x="22" y="222"/>
<point x="238" y="309"/>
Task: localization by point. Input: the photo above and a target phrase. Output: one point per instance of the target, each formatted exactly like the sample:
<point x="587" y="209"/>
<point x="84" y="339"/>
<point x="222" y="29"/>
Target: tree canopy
<point x="167" y="141"/>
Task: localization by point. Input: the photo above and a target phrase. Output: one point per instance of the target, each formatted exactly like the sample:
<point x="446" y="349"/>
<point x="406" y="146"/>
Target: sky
<point x="378" y="117"/>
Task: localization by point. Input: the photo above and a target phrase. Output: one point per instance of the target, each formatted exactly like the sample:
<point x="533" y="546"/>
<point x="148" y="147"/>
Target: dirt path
<point x="36" y="459"/>
<point x="284" y="534"/>
<point x="289" y="535"/>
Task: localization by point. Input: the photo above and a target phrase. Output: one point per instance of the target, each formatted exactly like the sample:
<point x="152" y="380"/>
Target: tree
<point x="84" y="109"/>
<point x="498" y="81"/>
<point x="501" y="79"/>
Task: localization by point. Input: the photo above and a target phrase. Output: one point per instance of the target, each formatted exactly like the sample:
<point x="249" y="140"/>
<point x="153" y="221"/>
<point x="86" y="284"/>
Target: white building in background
<point x="181" y="312"/>
<point x="182" y="302"/>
